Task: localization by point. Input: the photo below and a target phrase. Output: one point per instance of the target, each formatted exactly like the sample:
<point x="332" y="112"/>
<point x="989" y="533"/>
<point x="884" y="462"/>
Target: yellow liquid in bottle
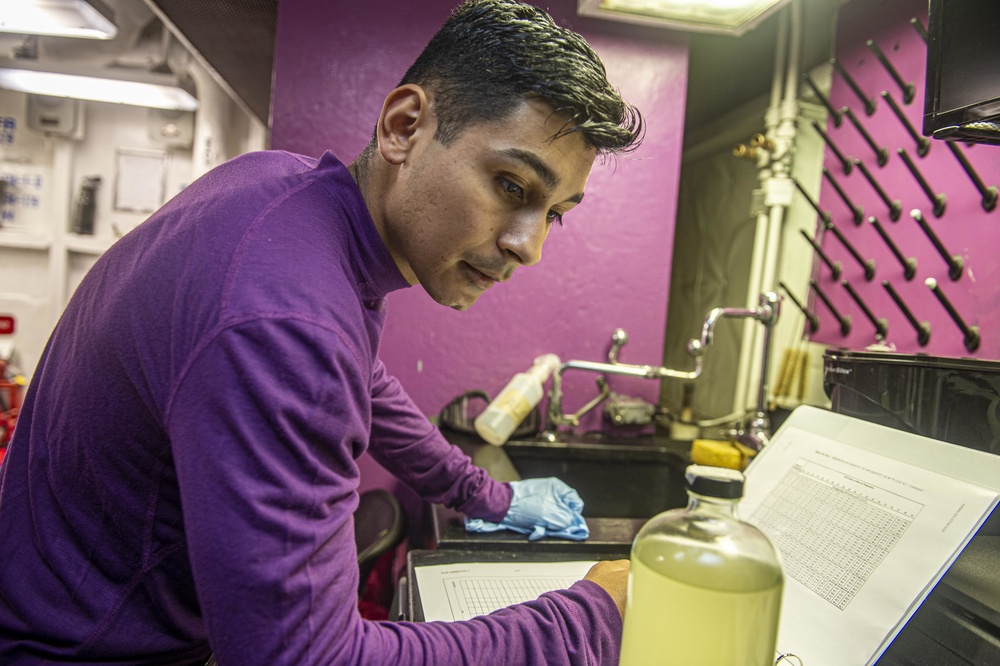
<point x="700" y="610"/>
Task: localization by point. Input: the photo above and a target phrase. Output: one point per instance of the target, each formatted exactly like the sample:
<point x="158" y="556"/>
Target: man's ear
<point x="405" y="115"/>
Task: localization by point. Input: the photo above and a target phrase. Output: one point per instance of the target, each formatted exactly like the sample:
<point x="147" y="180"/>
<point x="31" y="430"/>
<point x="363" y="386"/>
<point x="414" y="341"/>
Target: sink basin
<point x="617" y="477"/>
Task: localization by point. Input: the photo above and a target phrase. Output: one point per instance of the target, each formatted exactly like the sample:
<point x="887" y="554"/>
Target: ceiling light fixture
<point x="117" y="86"/>
<point x="58" y="18"/>
<point x="730" y="17"/>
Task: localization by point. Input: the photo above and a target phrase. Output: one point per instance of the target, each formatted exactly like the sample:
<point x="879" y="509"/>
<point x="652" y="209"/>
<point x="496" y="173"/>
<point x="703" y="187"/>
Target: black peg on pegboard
<point x="970" y="334"/>
<point x="857" y="211"/>
<point x="834" y="113"/>
<point x="869" y="102"/>
<point x="939" y="201"/>
<point x="845" y="163"/>
<point x="881" y="153"/>
<point x="909" y="90"/>
<point x="867" y="264"/>
<point x="810" y="317"/>
<point x="843" y="320"/>
<point x="954" y="261"/>
<point x="835" y="268"/>
<point x="923" y="143"/>
<point x="895" y="207"/>
<point x="989" y="194"/>
<point x="923" y="328"/>
<point x="880" y="324"/>
<point x="921" y="30"/>
<point x="823" y="214"/>
<point x="909" y="263"/>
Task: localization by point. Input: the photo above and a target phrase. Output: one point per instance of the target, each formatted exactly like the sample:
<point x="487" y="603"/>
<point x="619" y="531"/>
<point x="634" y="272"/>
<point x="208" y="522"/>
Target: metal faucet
<point x="619" y="339"/>
<point x="757" y="433"/>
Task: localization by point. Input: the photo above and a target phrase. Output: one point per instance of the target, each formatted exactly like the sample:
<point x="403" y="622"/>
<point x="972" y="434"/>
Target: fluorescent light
<point x="58" y="18"/>
<point x="137" y="88"/>
<point x="733" y="17"/>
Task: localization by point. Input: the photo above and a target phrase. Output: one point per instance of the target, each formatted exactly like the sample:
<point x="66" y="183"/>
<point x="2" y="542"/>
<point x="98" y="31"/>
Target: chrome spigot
<point x="766" y="313"/>
<point x="618" y="340"/>
<point x="556" y="417"/>
<point x="758" y="431"/>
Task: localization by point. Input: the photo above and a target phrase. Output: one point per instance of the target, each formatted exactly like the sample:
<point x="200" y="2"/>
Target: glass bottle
<point x="704" y="587"/>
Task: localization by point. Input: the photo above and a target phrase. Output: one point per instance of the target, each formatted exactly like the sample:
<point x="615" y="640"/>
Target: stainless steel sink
<point x="617" y="477"/>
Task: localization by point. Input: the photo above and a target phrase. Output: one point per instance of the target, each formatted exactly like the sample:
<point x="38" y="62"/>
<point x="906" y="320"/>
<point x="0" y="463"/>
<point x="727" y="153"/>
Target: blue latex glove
<point x="540" y="507"/>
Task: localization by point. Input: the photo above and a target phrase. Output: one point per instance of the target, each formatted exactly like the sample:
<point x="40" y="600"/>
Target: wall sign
<point x="140" y="180"/>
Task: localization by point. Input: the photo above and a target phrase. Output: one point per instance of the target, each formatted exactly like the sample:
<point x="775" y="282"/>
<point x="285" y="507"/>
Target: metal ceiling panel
<point x="236" y="38"/>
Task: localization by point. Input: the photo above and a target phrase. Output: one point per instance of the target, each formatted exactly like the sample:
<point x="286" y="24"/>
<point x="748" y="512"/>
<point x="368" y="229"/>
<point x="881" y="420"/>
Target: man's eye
<point x="555" y="216"/>
<point x="512" y="188"/>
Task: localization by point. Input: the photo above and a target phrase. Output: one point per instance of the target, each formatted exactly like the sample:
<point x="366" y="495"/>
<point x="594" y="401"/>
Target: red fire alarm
<point x="6" y="325"/>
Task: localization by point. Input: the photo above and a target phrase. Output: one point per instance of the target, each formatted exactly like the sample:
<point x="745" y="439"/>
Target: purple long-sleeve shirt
<point x="183" y="474"/>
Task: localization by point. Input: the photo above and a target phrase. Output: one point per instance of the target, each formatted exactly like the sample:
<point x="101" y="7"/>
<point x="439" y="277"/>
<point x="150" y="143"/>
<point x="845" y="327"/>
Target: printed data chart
<point x="832" y="529"/>
<point x="471" y="597"/>
<point x="466" y="590"/>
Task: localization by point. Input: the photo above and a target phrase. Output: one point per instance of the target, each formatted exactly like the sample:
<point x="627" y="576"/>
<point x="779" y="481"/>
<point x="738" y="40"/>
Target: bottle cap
<point x="544" y="366"/>
<point x="712" y="481"/>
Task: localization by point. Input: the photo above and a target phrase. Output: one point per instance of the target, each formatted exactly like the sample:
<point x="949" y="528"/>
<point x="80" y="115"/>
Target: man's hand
<point x="612" y="575"/>
<point x="539" y="508"/>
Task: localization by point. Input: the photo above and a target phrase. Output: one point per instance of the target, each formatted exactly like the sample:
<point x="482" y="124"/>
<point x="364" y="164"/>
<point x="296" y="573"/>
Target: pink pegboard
<point x="965" y="228"/>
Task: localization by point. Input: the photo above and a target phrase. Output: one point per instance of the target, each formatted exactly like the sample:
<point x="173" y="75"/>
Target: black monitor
<point x="962" y="99"/>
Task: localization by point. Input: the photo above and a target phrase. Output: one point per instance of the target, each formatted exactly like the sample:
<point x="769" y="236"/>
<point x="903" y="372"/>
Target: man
<point x="183" y="476"/>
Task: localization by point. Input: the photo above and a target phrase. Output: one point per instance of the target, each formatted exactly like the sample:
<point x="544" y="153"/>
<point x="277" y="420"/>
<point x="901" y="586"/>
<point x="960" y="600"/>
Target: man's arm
<point x="264" y="429"/>
<point x="408" y="445"/>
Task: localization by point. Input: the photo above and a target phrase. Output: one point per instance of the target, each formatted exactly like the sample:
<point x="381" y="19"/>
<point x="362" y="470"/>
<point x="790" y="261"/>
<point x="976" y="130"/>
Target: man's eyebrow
<point x="541" y="169"/>
<point x="536" y="164"/>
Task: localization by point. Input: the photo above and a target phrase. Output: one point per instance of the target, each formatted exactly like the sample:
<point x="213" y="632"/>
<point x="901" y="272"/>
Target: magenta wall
<point x="608" y="267"/>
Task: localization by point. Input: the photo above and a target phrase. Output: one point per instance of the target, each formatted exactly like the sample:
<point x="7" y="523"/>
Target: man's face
<point x="464" y="216"/>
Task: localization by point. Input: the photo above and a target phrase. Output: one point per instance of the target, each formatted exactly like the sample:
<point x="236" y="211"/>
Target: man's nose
<point x="524" y="237"/>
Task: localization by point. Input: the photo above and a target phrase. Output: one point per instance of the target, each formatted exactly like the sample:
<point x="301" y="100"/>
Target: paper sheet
<point x="140" y="180"/>
<point x="863" y="540"/>
<point x="463" y="591"/>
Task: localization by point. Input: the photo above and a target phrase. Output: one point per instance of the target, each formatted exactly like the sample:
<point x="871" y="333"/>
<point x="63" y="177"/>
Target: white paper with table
<point x="864" y="537"/>
<point x="466" y="590"/>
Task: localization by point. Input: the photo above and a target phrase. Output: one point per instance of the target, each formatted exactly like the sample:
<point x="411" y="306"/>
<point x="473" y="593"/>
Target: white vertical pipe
<point x="61" y="211"/>
<point x="784" y="139"/>
<point x="794" y="55"/>
<point x="787" y="129"/>
<point x="210" y="122"/>
<point x="749" y="357"/>
<point x="781" y="169"/>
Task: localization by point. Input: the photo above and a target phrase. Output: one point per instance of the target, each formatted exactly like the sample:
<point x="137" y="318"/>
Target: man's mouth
<point x="482" y="279"/>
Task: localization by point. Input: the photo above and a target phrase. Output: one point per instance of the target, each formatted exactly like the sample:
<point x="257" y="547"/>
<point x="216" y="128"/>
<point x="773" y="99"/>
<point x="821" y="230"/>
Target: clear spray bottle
<point x="704" y="587"/>
<point x="515" y="401"/>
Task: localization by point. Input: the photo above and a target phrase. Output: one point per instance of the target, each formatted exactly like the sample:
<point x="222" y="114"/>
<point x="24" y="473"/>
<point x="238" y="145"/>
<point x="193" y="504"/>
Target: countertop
<point x="608" y="535"/>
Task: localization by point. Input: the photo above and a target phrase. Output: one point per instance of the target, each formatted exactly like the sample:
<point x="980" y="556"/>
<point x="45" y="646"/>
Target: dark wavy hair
<point x="490" y="55"/>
